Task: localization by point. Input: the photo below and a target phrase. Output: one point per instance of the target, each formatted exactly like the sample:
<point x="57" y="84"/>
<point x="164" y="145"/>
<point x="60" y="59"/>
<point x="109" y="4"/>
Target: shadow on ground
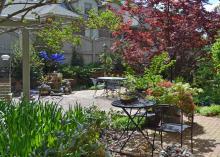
<point x="201" y="147"/>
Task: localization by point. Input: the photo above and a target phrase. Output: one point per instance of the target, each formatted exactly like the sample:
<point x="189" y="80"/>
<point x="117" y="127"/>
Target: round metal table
<point x="138" y="104"/>
<point x="140" y="107"/>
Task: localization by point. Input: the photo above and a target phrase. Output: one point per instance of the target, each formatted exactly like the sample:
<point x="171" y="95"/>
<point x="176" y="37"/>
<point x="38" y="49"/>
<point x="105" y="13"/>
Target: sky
<point x="213" y="4"/>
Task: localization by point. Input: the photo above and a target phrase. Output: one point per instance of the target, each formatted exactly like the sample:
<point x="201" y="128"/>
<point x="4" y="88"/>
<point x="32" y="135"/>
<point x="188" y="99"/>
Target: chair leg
<point x="153" y="148"/>
<point x="95" y="93"/>
<point x="161" y="139"/>
<point x="192" y="134"/>
<point x="181" y="139"/>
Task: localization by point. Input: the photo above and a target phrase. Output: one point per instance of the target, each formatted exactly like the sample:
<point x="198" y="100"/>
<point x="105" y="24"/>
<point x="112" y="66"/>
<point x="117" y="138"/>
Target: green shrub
<point x="81" y="73"/>
<point x="212" y="110"/>
<point x="16" y="65"/>
<point x="152" y="74"/>
<point x="207" y="77"/>
<point x="119" y="121"/>
<point x="76" y="59"/>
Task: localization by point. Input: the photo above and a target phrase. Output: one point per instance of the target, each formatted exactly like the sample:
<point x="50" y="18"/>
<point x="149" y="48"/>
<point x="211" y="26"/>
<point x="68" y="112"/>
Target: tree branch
<point x="27" y="9"/>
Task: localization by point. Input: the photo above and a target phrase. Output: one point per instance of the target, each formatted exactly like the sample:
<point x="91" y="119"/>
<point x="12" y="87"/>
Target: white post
<point x="26" y="63"/>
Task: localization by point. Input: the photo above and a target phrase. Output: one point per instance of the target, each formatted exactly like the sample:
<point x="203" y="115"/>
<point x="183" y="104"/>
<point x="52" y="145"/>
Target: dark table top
<point x="141" y="103"/>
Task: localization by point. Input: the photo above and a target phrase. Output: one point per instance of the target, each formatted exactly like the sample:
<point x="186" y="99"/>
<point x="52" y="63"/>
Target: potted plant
<point x="128" y="98"/>
<point x="180" y="95"/>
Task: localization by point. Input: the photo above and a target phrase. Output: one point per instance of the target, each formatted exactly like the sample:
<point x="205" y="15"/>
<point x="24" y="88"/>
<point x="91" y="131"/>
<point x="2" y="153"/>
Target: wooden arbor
<point x="24" y="38"/>
<point x="24" y="27"/>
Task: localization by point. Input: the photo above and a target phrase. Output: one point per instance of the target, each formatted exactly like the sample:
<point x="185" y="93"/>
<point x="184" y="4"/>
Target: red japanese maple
<point x="178" y="26"/>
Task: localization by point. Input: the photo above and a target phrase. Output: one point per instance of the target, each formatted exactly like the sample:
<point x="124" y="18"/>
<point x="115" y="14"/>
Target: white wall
<point x="7" y="41"/>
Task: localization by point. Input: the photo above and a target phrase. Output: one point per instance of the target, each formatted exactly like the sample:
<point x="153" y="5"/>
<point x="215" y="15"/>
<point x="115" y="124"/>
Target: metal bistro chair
<point x="97" y="85"/>
<point x="176" y="127"/>
<point x="113" y="86"/>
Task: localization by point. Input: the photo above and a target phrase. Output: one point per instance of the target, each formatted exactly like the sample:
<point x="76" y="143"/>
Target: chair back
<point x="167" y="113"/>
<point x="94" y="81"/>
<point x="113" y="84"/>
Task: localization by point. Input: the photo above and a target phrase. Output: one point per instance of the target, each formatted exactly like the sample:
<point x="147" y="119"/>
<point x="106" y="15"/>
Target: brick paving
<point x="206" y="129"/>
<point x="207" y="136"/>
<point x="206" y="139"/>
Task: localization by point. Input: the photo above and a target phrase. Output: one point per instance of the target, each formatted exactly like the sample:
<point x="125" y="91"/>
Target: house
<point x="92" y="40"/>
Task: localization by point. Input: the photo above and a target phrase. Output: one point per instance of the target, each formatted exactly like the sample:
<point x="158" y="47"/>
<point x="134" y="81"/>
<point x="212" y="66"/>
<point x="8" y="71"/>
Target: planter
<point x="128" y="100"/>
<point x="44" y="90"/>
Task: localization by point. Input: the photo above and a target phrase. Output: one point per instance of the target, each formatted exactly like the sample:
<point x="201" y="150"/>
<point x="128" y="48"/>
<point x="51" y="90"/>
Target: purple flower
<point x="57" y="57"/>
<point x="43" y="54"/>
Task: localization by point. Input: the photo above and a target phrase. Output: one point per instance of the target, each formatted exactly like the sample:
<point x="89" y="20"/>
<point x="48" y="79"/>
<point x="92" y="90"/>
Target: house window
<point x="88" y="7"/>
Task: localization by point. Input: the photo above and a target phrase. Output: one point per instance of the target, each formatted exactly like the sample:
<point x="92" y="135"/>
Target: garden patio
<point x="153" y="89"/>
<point x="206" y="135"/>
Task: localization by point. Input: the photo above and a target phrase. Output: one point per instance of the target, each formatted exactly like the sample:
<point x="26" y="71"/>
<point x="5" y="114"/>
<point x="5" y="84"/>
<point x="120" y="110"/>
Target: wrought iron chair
<point x="97" y="85"/>
<point x="166" y="125"/>
<point x="113" y="86"/>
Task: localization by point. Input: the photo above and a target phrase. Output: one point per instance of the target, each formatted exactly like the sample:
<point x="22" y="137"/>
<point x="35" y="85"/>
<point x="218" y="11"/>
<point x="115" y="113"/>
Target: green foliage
<point x="75" y="72"/>
<point x="207" y="77"/>
<point x="159" y="64"/>
<point x="82" y="73"/>
<point x="180" y="94"/>
<point x="215" y="51"/>
<point x="152" y="75"/>
<point x="212" y="110"/>
<point x="53" y="36"/>
<point x="106" y="60"/>
<point x="38" y="129"/>
<point x="103" y="19"/>
<point x="16" y="65"/>
<point x="68" y="71"/>
<point x="119" y="121"/>
<point x="76" y="59"/>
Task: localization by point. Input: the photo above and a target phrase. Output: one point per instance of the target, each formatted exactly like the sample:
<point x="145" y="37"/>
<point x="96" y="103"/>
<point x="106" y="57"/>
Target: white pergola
<point x="24" y="38"/>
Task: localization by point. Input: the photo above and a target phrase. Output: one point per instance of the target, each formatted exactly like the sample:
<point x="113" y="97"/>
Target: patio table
<point x="111" y="83"/>
<point x="140" y="108"/>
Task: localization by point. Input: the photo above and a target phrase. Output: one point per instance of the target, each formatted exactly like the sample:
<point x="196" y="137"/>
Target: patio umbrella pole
<point x="25" y="63"/>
